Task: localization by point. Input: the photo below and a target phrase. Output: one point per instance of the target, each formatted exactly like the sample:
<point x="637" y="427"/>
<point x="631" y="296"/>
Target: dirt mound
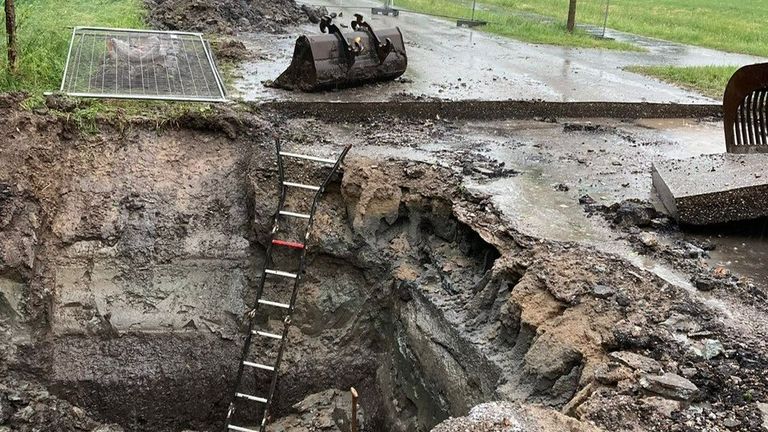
<point x="225" y="16"/>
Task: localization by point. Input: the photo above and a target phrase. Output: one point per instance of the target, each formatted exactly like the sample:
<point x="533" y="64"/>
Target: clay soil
<point x="130" y="256"/>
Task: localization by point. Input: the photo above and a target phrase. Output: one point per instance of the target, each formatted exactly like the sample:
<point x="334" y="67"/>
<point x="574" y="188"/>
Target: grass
<point x="727" y="25"/>
<point x="708" y="80"/>
<point x="43" y="37"/>
<point x="508" y="23"/>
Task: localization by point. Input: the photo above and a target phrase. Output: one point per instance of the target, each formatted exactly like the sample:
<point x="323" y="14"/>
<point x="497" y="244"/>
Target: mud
<point x="225" y="17"/>
<point x="129" y="257"/>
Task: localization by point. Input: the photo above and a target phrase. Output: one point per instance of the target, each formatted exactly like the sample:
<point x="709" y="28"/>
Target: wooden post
<point x="10" y="28"/>
<point x="571" y="16"/>
<point x="353" y="426"/>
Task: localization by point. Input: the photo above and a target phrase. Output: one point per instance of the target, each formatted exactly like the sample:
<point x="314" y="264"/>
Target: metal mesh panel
<point x="136" y="64"/>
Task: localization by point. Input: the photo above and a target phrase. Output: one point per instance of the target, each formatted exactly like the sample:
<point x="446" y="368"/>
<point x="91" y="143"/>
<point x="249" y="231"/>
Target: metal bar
<point x="69" y="56"/>
<point x="145" y="97"/>
<point x="301" y="186"/>
<point x="240" y="429"/>
<point x="281" y="273"/>
<point x="293" y="214"/>
<point x="259" y="366"/>
<point x="275" y="304"/>
<point x="125" y="30"/>
<point x="312" y="158"/>
<point x="212" y="60"/>
<point x="288" y="244"/>
<point x="253" y="398"/>
<point x="266" y="334"/>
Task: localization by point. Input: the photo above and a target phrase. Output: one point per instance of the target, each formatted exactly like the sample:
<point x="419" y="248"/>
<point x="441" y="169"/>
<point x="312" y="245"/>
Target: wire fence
<point x="138" y="64"/>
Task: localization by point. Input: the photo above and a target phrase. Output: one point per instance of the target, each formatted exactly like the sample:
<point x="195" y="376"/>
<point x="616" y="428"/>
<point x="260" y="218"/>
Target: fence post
<point x="571" y="16"/>
<point x="10" y="28"/>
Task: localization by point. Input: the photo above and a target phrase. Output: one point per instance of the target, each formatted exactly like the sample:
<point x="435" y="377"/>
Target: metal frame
<point x="206" y="48"/>
<point x="296" y="283"/>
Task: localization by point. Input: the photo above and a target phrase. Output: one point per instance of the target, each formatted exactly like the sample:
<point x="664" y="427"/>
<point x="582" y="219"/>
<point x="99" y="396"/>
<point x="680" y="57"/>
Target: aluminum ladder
<point x="265" y="400"/>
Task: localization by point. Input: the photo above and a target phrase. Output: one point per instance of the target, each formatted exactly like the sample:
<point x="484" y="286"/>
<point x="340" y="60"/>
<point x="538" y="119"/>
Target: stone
<point x="636" y="361"/>
<point x="661" y="405"/>
<point x="716" y="188"/>
<point x="623" y="300"/>
<point x="632" y="213"/>
<point x="670" y="385"/>
<point x="704" y="283"/>
<point x="707" y="349"/>
<point x="611" y="374"/>
<point x="603" y="291"/>
<point x="649" y="240"/>
<point x="763" y="407"/>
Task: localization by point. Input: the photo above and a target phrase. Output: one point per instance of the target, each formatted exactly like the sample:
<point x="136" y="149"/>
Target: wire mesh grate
<point x="141" y="64"/>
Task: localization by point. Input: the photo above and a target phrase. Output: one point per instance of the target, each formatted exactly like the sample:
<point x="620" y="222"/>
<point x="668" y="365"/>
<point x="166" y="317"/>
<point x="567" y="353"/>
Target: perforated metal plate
<point x="141" y="64"/>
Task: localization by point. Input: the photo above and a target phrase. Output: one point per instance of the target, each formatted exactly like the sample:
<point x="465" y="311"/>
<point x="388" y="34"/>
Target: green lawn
<point x="728" y="25"/>
<point x="513" y="25"/>
<point x="44" y="35"/>
<point x="708" y="80"/>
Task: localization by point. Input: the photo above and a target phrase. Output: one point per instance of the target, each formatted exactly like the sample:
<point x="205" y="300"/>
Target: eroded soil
<point x="130" y="257"/>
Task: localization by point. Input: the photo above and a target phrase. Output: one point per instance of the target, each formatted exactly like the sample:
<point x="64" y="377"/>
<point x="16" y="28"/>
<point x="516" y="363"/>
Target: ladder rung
<point x="307" y="157"/>
<point x="302" y="186"/>
<point x="276" y="304"/>
<point x="288" y="244"/>
<point x="298" y="215"/>
<point x="266" y="334"/>
<point x="280" y="273"/>
<point x="258" y="366"/>
<point x="253" y="398"/>
<point x="240" y="429"/>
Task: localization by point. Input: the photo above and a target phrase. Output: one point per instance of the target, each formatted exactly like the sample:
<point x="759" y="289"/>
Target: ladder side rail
<point x="262" y="281"/>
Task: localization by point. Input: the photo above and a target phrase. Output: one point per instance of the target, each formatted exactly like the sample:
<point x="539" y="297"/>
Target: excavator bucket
<point x="338" y="60"/>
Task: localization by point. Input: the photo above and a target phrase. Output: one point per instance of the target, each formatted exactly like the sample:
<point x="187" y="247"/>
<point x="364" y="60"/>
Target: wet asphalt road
<point x="454" y="63"/>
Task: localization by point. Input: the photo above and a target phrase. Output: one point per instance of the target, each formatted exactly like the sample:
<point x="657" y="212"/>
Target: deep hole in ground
<point x="129" y="259"/>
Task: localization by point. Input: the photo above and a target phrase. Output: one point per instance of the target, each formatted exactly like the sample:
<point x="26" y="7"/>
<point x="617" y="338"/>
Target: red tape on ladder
<point x="292" y="245"/>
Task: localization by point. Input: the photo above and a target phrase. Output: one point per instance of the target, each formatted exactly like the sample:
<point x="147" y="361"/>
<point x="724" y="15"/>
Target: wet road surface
<point x="453" y="63"/>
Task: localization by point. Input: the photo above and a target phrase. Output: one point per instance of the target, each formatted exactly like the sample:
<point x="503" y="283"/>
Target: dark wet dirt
<point x="452" y="265"/>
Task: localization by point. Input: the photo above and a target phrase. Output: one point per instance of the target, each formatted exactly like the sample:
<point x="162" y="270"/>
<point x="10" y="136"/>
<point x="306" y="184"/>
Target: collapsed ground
<point x="129" y="257"/>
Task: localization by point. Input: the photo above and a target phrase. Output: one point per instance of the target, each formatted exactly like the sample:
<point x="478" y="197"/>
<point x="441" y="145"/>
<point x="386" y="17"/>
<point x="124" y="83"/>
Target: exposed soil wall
<point x="129" y="258"/>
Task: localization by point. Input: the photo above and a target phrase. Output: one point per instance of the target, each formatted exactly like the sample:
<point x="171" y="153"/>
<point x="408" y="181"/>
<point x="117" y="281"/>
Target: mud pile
<point x="226" y="16"/>
<point x="129" y="256"/>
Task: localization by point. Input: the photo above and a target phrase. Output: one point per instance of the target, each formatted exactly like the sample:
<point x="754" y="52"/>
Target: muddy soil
<point x="226" y="17"/>
<point x="130" y="257"/>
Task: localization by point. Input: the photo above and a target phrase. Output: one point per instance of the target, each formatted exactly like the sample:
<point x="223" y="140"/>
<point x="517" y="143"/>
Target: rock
<point x="623" y="300"/>
<point x="649" y="239"/>
<point x="603" y="291"/>
<point x="731" y="423"/>
<point x="636" y="361"/>
<point x="586" y="200"/>
<point x="611" y="374"/>
<point x="661" y="405"/>
<point x="763" y="407"/>
<point x="670" y="385"/>
<point x="704" y="283"/>
<point x="634" y="213"/>
<point x="707" y="349"/>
